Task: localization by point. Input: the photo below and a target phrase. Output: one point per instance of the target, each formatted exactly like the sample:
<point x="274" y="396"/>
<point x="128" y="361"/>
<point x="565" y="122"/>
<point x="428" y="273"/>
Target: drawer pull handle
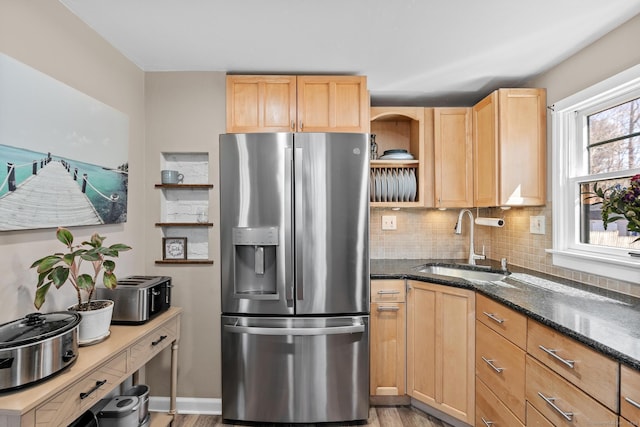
<point x="388" y="308"/>
<point x="493" y="317"/>
<point x="490" y="363"/>
<point x="388" y="292"/>
<point x="487" y="423"/>
<point x="159" y="340"/>
<point x="552" y="353"/>
<point x="86" y="394"/>
<point x="632" y="402"/>
<point x="566" y="415"/>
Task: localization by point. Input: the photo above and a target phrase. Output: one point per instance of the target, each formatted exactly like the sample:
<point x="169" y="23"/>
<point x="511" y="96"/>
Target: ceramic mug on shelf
<point x="171" y="177"/>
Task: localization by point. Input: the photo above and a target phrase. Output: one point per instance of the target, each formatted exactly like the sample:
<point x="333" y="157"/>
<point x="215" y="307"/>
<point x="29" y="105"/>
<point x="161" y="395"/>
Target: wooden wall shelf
<point x="186" y="186"/>
<point x="184" y="224"/>
<point x="185" y="261"/>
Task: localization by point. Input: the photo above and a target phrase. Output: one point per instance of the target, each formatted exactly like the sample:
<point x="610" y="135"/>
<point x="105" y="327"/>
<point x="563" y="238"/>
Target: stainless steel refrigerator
<point x="295" y="277"/>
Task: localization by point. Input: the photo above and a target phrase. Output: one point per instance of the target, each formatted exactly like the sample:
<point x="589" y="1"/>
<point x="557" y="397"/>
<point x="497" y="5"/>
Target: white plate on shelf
<point x="393" y="186"/>
<point x="372" y="185"/>
<point x="376" y="185"/>
<point x="412" y="196"/>
<point x="383" y="184"/>
<point x="400" y="179"/>
<point x="407" y="186"/>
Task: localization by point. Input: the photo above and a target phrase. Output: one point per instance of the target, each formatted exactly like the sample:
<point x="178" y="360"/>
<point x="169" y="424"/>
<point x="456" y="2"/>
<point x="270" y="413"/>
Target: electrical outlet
<point x="536" y="224"/>
<point x="389" y="222"/>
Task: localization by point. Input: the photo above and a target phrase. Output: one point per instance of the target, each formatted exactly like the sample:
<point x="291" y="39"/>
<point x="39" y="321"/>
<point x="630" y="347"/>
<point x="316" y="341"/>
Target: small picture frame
<point x="174" y="248"/>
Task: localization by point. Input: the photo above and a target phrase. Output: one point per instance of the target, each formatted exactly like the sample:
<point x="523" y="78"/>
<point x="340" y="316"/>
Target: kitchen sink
<point x="463" y="273"/>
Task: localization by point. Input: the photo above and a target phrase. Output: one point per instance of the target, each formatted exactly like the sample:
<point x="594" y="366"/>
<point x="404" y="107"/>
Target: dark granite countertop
<point x="607" y="321"/>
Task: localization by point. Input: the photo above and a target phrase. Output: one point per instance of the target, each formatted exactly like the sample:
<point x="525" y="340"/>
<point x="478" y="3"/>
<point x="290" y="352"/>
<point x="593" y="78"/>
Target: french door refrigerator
<point x="295" y="277"/>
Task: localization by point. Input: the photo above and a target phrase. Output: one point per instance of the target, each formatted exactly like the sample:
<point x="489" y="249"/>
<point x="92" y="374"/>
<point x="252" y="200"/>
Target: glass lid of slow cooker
<point x="36" y="327"/>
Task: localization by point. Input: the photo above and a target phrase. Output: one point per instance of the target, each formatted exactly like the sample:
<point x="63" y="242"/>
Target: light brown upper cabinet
<point x="401" y="128"/>
<point x="261" y="104"/>
<point x="333" y="104"/>
<point x="509" y="148"/>
<point x="453" y="150"/>
<point x="297" y="104"/>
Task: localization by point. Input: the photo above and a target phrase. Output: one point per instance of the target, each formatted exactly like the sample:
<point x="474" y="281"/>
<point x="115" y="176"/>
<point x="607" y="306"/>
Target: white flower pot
<point x="94" y="326"/>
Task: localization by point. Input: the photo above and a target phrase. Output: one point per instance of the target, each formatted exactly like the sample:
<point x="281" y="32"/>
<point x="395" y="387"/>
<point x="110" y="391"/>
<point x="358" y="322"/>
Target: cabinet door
<point x="523" y="136"/>
<point x="485" y="151"/>
<point x="333" y="104"/>
<point x="440" y="350"/>
<point x="261" y="104"/>
<point x="453" y="151"/>
<point x="509" y="138"/>
<point x="387" y="349"/>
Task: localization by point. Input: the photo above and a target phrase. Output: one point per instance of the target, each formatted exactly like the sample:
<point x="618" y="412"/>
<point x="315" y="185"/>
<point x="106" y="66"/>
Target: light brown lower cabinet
<point x="490" y="411"/>
<point x="561" y="402"/>
<point x="387" y="338"/>
<point x="630" y="394"/>
<point x="625" y="423"/>
<point x="441" y="347"/>
<point x="535" y="418"/>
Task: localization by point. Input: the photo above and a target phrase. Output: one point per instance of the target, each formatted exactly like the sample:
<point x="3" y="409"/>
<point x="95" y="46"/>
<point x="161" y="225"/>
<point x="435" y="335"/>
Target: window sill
<point x="607" y="266"/>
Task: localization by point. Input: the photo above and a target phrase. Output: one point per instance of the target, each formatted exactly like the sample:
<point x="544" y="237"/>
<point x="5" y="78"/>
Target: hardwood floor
<point x="381" y="416"/>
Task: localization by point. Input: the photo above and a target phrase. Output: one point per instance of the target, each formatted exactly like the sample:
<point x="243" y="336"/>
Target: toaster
<point x="137" y="299"/>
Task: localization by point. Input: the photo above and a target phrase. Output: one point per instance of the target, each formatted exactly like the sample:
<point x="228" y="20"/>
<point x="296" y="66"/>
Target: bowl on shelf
<point x="396" y="154"/>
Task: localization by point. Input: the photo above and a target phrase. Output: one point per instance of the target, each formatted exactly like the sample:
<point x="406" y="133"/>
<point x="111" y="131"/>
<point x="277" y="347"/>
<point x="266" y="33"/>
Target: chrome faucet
<point x="458" y="230"/>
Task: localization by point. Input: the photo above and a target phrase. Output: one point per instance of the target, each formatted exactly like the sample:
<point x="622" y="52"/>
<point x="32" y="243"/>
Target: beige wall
<point x="186" y="114"/>
<point x="46" y="36"/>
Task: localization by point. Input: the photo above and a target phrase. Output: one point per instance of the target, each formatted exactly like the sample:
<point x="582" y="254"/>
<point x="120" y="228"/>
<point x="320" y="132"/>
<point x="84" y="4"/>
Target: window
<point x="596" y="144"/>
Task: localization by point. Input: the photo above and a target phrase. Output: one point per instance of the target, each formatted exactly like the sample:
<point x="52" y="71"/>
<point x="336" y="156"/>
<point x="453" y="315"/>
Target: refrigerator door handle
<point x="335" y="330"/>
<point x="289" y="228"/>
<point x="299" y="223"/>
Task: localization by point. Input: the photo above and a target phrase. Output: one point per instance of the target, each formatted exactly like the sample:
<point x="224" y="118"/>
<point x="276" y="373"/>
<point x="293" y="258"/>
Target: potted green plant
<point x="60" y="268"/>
<point x="620" y="202"/>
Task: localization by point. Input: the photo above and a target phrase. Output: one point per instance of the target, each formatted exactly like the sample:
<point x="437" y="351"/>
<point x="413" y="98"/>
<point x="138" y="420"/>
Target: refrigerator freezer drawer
<point x="295" y="370"/>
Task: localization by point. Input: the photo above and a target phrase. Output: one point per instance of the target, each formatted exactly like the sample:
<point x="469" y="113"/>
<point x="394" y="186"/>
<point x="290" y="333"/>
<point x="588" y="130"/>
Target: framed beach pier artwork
<point x="63" y="154"/>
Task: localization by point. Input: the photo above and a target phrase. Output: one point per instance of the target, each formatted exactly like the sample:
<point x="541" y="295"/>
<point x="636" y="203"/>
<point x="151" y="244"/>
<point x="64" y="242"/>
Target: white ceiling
<point x="414" y="52"/>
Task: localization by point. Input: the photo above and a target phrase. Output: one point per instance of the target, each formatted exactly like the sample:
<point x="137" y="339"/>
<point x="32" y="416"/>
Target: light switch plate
<point x="389" y="222"/>
<point x="537" y="224"/>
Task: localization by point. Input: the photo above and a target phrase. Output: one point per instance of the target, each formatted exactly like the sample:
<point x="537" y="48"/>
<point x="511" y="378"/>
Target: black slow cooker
<point x="36" y="347"/>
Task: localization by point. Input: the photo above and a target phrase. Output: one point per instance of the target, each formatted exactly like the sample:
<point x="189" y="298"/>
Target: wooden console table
<point x="99" y="369"/>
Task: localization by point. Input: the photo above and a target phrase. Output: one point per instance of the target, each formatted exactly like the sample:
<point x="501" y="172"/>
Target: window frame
<point x="569" y="160"/>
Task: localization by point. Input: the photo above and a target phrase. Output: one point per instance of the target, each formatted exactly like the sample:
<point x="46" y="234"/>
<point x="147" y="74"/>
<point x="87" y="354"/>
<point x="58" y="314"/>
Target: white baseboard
<point x="187" y="405"/>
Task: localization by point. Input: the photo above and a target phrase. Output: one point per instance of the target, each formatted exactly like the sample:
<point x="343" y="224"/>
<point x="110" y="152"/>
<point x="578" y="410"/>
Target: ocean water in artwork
<point x="106" y="188"/>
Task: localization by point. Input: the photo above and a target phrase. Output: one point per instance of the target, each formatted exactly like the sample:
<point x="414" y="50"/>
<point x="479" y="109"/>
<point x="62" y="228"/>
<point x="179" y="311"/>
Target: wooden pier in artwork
<point x="49" y="199"/>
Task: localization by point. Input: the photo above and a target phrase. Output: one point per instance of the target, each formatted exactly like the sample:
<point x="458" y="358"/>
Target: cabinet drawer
<point x="625" y="423"/>
<point x="561" y="402"/>
<point x="72" y="401"/>
<point x="500" y="364"/>
<point x="594" y="373"/>
<point x="505" y="321"/>
<point x="387" y="291"/>
<point x="152" y="344"/>
<point x="535" y="418"/>
<point x="630" y="394"/>
<point x="490" y="411"/>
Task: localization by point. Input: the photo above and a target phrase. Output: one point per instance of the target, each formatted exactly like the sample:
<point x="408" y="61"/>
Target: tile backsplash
<point x="428" y="233"/>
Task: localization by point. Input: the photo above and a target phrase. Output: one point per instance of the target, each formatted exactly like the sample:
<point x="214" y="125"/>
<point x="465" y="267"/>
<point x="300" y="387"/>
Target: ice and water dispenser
<point x="254" y="259"/>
